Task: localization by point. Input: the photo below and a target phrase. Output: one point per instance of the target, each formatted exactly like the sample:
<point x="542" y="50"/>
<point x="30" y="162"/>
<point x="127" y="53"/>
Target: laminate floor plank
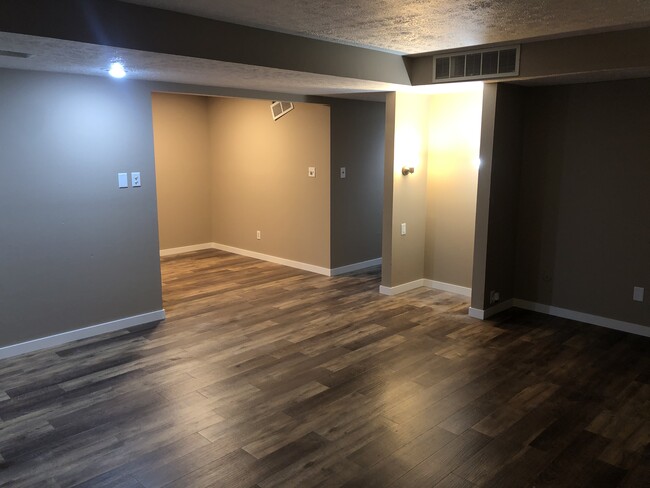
<point x="269" y="376"/>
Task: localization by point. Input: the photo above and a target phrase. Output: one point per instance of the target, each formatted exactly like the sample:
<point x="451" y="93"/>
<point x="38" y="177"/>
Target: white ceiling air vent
<point x="477" y="65"/>
<point x="278" y="109"/>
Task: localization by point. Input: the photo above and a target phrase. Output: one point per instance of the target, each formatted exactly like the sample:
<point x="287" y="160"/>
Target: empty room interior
<point x="259" y="244"/>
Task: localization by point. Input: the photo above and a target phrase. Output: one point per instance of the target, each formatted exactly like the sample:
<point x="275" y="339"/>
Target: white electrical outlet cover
<point x="637" y="295"/>
<point x="311" y="172"/>
<point x="135" y="179"/>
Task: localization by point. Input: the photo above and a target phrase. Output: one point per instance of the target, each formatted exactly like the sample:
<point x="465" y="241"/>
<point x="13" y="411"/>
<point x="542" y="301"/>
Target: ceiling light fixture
<point x="117" y="70"/>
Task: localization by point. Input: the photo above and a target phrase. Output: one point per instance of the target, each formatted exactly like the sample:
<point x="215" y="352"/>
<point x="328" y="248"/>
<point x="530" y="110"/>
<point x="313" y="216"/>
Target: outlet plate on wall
<point x="637" y="294"/>
<point x="311" y="172"/>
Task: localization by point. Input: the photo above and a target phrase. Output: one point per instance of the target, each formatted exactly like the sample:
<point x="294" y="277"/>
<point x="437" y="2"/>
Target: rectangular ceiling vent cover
<point x="477" y="65"/>
<point x="278" y="109"/>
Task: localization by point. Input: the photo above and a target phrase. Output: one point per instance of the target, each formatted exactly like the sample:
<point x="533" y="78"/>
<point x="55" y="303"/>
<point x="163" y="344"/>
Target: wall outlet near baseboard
<point x="494" y="296"/>
<point x="637" y="294"/>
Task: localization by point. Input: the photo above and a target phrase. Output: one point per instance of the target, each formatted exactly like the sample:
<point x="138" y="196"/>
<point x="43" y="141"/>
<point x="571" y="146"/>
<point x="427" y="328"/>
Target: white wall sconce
<point x="408" y="170"/>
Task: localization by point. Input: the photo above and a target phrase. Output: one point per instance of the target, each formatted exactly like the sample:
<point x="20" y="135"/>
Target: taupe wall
<point x="259" y="179"/>
<point x="357" y="143"/>
<point x="75" y="249"/>
<point x="182" y="151"/>
<point x="584" y="207"/>
<point x="454" y="125"/>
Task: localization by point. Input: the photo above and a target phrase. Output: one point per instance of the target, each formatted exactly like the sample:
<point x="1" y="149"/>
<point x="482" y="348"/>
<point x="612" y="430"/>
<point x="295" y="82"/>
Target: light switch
<point x="135" y="179"/>
<point x="403" y="229"/>
<point x="311" y="172"/>
<point x="122" y="180"/>
<point x="342" y="172"/>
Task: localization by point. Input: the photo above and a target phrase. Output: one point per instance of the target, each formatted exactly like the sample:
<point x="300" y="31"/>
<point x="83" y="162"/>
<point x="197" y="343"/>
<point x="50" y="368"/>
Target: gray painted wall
<point x="75" y="249"/>
<point x="357" y="142"/>
<point x="583" y="237"/>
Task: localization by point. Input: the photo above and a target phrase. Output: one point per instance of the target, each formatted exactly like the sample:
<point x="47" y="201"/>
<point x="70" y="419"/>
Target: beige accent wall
<point x="409" y="142"/>
<point x="454" y="138"/>
<point x="226" y="169"/>
<point x="439" y="135"/>
<point x="259" y="179"/>
<point x="182" y="152"/>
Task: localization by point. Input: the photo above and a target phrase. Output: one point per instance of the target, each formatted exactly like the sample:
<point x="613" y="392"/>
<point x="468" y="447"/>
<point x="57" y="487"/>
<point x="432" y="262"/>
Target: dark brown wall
<point x="506" y="163"/>
<point x="583" y="237"/>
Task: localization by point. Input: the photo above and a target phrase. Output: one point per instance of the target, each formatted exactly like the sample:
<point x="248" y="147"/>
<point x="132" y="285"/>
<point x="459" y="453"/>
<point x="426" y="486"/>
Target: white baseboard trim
<point x="583" y="317"/>
<point x="434" y="285"/>
<point x="272" y="259"/>
<point x="83" y="333"/>
<point x="442" y="286"/>
<point x="182" y="250"/>
<point x="478" y="313"/>
<point x="404" y="287"/>
<point x="349" y="268"/>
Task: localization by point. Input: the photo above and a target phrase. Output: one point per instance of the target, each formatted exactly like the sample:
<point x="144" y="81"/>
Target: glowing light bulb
<point x="117" y="70"/>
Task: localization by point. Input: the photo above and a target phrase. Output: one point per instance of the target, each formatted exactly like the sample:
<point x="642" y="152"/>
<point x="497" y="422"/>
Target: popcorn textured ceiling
<point x="405" y="26"/>
<point x="416" y="26"/>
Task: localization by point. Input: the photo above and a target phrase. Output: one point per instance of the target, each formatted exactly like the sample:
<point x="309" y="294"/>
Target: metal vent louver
<point x="477" y="65"/>
<point x="278" y="109"/>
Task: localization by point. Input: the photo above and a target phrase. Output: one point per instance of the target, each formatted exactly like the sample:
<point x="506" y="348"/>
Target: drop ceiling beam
<point x="602" y="54"/>
<point x="123" y="25"/>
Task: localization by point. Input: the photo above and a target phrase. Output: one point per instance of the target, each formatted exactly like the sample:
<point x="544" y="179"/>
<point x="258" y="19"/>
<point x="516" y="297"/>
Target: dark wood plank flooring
<point x="266" y="376"/>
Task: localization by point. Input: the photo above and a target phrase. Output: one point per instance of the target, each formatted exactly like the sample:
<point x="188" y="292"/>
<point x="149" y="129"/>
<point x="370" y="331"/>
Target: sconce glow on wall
<point x="406" y="170"/>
